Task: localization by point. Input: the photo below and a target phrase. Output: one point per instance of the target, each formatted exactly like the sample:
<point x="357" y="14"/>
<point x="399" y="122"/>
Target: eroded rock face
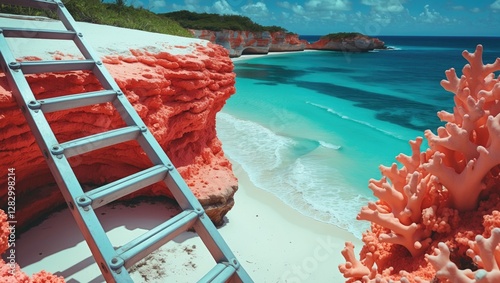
<point x="286" y="42"/>
<point x="245" y="42"/>
<point x="177" y="95"/>
<point x="360" y="43"/>
<point x="238" y="42"/>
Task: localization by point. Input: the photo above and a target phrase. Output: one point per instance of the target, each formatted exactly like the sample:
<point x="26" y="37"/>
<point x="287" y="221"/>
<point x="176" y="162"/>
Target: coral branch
<point x="441" y="193"/>
<point x="447" y="269"/>
<point x="353" y="268"/>
<point x="411" y="163"/>
<point x="414" y="237"/>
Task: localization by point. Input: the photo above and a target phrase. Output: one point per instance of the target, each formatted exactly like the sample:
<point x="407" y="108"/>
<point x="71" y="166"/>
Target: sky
<point x="371" y="17"/>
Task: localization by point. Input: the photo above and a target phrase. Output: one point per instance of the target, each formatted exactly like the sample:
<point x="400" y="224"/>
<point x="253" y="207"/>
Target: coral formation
<point x="443" y="199"/>
<point x="177" y="95"/>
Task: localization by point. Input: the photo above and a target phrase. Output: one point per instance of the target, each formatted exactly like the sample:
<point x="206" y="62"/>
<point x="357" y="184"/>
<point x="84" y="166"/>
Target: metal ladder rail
<point x="204" y="227"/>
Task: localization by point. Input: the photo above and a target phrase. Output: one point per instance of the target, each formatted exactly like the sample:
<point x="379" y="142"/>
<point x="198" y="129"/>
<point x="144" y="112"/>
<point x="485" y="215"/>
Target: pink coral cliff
<point x="436" y="215"/>
<point x="177" y="95"/>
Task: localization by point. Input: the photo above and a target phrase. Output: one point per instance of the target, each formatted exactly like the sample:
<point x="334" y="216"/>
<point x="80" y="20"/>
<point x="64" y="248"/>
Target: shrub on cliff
<point x="341" y="35"/>
<point x="217" y="22"/>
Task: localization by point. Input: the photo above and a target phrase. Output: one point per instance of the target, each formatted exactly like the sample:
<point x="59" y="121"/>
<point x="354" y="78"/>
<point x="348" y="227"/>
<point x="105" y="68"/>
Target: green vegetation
<point x="217" y="22"/>
<point x="118" y="14"/>
<point x="341" y="35"/>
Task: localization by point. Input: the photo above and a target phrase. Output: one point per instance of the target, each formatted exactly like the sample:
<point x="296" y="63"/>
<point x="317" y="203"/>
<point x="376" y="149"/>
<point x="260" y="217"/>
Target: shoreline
<point x="305" y="249"/>
<point x="252" y="56"/>
<point x="273" y="242"/>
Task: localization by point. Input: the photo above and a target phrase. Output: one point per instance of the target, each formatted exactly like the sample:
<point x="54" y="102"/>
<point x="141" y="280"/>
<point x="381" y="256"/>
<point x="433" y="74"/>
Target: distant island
<point x="347" y="42"/>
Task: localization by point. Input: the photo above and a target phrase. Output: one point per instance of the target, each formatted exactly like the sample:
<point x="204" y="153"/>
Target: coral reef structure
<point x="436" y="217"/>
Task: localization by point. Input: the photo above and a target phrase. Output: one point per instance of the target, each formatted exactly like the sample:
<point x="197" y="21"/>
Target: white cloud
<point x="317" y="8"/>
<point x="458" y="8"/>
<point x="328" y="5"/>
<point x="190" y="5"/>
<point x="475" y="10"/>
<point x="322" y="12"/>
<point x="298" y="9"/>
<point x="285" y="4"/>
<point x="257" y="10"/>
<point x="219" y="7"/>
<point x="381" y="19"/>
<point x="157" y="4"/>
<point x="222" y="7"/>
<point x="393" y="6"/>
<point x="431" y="16"/>
<point x="495" y="5"/>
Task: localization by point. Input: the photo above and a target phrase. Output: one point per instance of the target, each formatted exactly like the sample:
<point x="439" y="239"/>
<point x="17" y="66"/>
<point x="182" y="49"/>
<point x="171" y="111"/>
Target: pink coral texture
<point x="437" y="215"/>
<point x="177" y="96"/>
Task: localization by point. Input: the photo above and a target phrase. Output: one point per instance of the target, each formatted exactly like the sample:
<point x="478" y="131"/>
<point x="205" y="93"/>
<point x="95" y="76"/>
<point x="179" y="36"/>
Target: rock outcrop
<point x="247" y="42"/>
<point x="355" y="43"/>
<point x="177" y="86"/>
<point x="282" y="41"/>
<point x="237" y="42"/>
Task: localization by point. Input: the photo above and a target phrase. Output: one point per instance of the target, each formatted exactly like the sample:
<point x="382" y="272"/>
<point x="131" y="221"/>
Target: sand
<point x="273" y="242"/>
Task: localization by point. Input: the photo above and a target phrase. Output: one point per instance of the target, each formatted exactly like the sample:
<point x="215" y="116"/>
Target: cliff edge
<point x="177" y="85"/>
<point x="249" y="42"/>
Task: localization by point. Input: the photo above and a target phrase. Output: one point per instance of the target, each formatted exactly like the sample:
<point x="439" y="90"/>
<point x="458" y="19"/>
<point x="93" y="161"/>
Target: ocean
<point x="313" y="127"/>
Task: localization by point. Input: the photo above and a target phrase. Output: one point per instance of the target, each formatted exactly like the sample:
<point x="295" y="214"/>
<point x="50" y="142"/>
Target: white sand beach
<point x="273" y="242"/>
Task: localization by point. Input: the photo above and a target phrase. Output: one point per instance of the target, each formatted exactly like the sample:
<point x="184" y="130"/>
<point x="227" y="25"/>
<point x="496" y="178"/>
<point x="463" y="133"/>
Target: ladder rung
<point x="36" y="67"/>
<point x="220" y="273"/>
<point x="93" y="142"/>
<point x="143" y="245"/>
<point x="38" y="33"/>
<point x="76" y="100"/>
<point x="117" y="189"/>
<point x="40" y="4"/>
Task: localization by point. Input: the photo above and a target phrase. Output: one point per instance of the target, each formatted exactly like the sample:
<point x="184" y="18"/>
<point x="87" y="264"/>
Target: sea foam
<point x="304" y="180"/>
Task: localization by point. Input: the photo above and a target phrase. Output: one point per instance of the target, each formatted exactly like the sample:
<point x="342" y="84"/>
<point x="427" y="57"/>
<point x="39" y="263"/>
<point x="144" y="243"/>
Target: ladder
<point x="113" y="262"/>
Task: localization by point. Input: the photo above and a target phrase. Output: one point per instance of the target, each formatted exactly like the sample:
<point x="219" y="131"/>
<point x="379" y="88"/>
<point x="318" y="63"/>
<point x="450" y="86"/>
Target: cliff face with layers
<point x="282" y="41"/>
<point x="247" y="42"/>
<point x="177" y="90"/>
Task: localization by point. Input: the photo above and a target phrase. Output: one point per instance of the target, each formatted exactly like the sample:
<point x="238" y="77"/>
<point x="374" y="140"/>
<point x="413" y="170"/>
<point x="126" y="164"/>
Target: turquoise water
<point x="313" y="127"/>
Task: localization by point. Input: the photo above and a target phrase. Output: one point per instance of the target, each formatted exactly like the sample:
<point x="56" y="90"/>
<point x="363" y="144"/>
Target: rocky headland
<point x="347" y="42"/>
<point x="262" y="42"/>
<point x="247" y="42"/>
